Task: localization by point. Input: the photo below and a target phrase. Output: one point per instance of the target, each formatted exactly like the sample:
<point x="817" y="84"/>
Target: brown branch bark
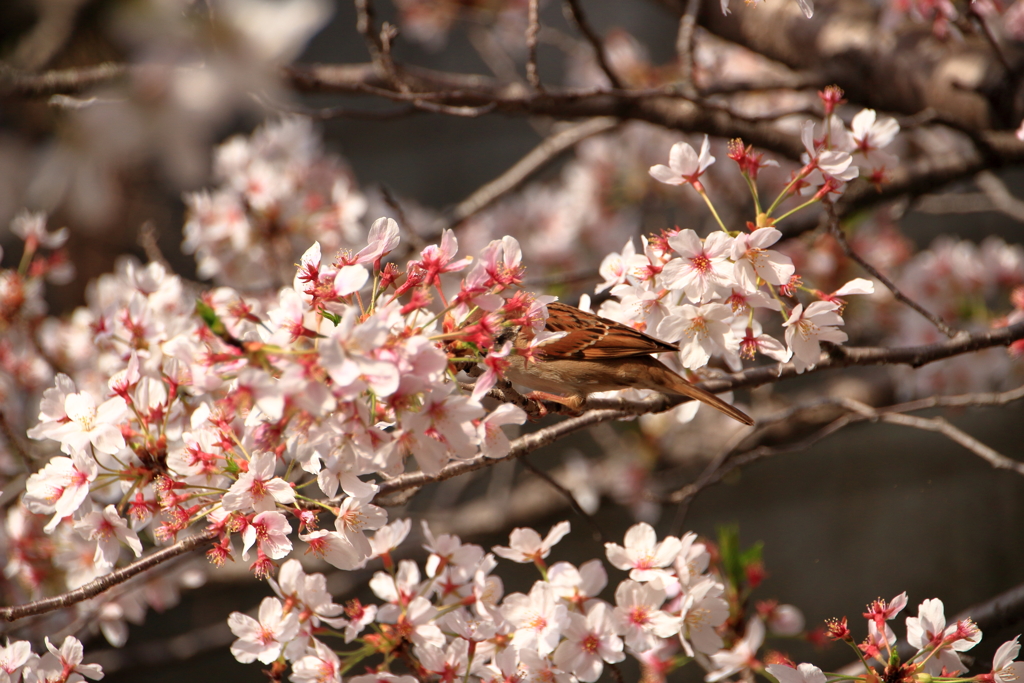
<point x="119" y="576"/>
<point x="905" y="69"/>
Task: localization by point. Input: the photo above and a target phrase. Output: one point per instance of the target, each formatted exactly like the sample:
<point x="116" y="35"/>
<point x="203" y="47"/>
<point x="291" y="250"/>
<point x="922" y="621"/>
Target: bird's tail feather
<point x="675" y="384"/>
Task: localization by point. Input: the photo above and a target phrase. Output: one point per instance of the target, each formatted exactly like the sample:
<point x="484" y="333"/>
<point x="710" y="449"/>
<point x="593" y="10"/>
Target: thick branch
<point x="906" y="69"/>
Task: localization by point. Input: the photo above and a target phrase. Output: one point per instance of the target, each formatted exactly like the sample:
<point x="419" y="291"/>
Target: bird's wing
<point x="592" y="337"/>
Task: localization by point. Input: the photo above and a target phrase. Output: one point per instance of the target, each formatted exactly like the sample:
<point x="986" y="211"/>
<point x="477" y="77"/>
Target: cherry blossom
<point x="262" y="639"/>
<point x="703" y="268"/>
<point x="805" y="673"/>
<point x="493" y="442"/>
<point x="703" y="332"/>
<point x="258" y="489"/>
<point x="270" y="530"/>
<point x="64" y="664"/>
<point x="526" y="545"/>
<point x="638" y="615"/>
<point x="590" y="641"/>
<point x="754" y="260"/>
<point x="684" y="165"/>
<point x="321" y="666"/>
<point x="538" y="618"/>
<point x="109" y="531"/>
<point x="742" y="654"/>
<point x="702" y="612"/>
<point x="1004" y="668"/>
<point x="929" y="630"/>
<point x="807" y="328"/>
<point x="60" y="487"/>
<point x="91" y="424"/>
<point x="643" y="555"/>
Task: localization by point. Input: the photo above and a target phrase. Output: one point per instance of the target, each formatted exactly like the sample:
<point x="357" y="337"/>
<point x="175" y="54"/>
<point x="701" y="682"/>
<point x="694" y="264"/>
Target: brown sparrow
<point x="597" y="354"/>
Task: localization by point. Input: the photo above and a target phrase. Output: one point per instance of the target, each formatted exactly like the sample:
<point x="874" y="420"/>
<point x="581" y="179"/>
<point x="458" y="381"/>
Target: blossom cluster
<point x="451" y="620"/>
<point x="271" y="414"/>
<point x="278" y="192"/>
<point x="57" y="665"/>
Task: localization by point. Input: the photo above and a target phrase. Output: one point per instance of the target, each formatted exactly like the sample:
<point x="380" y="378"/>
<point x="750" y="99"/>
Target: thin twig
<point x="684" y="47"/>
<point x="567" y="494"/>
<point x="990" y="38"/>
<point x="532" y="30"/>
<point x="578" y="18"/>
<point x="837" y="232"/>
<point x="366" y="27"/>
<point x="151" y="245"/>
<point x="15" y="444"/>
<point x="118" y="576"/>
<point x="535" y="159"/>
<point x="860" y="412"/>
<point x="942" y="426"/>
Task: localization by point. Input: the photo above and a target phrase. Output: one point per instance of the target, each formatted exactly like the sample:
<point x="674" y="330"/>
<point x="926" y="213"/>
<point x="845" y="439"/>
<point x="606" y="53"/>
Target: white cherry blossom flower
<point x="525" y="544"/>
<point x="389" y="537"/>
<point x="64" y="663"/>
<point x="638" y="615"/>
<point x="702" y="612"/>
<point x="808" y="327"/>
<point x="742" y="654"/>
<point x="265" y="638"/>
<point x="258" y="489"/>
<point x="590" y="641"/>
<point x="578" y="586"/>
<point x="1004" y="668"/>
<point x="753" y="259"/>
<point x="60" y="487"/>
<point x="320" y="666"/>
<point x="870" y="135"/>
<point x="805" y="673"/>
<point x="539" y="619"/>
<point x="684" y="164"/>
<point x="643" y="555"/>
<point x="270" y="530"/>
<point x="417" y="621"/>
<point x="381" y="241"/>
<point x="703" y="331"/>
<point x="928" y="630"/>
<point x="355" y="517"/>
<point x="13" y="656"/>
<point x="702" y="269"/>
<point x="109" y="531"/>
<point x="493" y="442"/>
<point x="98" y="426"/>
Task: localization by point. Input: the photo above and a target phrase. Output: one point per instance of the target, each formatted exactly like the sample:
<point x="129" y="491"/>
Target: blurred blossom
<point x="195" y="66"/>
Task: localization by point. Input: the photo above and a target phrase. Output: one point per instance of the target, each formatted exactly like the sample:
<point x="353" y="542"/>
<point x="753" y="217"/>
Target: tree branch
<point x="515" y="175"/>
<point x="118" y="576"/>
<point x="858" y="412"/>
<point x="577" y="17"/>
<point x="837" y="231"/>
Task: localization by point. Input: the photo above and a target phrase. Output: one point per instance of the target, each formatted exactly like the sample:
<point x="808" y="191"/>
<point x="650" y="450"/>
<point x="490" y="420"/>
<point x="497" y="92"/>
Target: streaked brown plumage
<point x="599" y="354"/>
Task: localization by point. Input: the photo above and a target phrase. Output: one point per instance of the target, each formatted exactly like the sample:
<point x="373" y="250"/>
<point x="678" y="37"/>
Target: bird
<point x="596" y="354"/>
